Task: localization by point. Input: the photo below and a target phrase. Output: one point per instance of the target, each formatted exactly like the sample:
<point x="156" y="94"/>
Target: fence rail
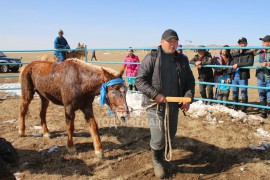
<point x="180" y="48"/>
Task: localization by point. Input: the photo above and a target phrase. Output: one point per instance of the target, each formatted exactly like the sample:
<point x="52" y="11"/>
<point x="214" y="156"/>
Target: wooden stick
<point x="178" y="99"/>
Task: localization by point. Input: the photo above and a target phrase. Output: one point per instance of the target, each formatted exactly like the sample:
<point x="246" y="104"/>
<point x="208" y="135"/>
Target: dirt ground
<point x="201" y="150"/>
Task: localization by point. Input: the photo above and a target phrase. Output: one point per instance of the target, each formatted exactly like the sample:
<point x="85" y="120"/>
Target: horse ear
<point x="83" y="45"/>
<point x="106" y="75"/>
<point x="79" y="44"/>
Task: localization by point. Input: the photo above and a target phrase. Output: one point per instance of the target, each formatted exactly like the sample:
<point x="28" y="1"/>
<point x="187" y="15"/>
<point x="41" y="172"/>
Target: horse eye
<point x="113" y="91"/>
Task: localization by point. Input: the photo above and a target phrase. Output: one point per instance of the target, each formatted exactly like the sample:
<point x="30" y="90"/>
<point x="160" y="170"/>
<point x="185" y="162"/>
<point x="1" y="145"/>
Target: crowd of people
<point x="235" y="75"/>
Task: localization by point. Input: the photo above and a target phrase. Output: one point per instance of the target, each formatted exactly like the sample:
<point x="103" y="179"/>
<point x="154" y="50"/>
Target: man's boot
<point x="268" y="111"/>
<point x="235" y="106"/>
<point x="158" y="160"/>
<point x="263" y="111"/>
<point x="244" y="108"/>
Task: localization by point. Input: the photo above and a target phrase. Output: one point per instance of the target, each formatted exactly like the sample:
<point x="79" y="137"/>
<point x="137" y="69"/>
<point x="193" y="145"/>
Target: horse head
<point x="79" y="53"/>
<point x="80" y="46"/>
<point x="116" y="95"/>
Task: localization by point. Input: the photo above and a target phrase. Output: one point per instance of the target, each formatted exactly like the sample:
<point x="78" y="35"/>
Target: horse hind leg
<point x="26" y="98"/>
<point x="43" y="111"/>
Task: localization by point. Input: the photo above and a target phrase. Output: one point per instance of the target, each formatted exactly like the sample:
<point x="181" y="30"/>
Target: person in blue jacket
<point x="60" y="43"/>
<point x="223" y="90"/>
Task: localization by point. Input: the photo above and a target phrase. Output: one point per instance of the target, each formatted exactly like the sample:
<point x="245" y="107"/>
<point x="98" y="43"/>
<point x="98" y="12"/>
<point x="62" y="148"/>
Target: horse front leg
<point x="93" y="129"/>
<point x="70" y="116"/>
<point x="43" y="110"/>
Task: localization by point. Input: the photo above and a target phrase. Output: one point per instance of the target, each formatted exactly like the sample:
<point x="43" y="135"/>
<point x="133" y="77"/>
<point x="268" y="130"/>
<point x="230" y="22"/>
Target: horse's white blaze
<point x="122" y="89"/>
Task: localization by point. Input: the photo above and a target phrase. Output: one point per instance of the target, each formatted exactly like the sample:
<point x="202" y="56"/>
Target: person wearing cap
<point x="60" y="43"/>
<point x="203" y="57"/>
<point x="131" y="69"/>
<point x="238" y="75"/>
<point x="261" y="61"/>
<point x="163" y="73"/>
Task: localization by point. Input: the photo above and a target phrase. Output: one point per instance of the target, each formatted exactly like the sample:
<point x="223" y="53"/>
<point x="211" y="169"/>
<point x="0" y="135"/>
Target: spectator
<point x="222" y="58"/>
<point x="223" y="91"/>
<point x="180" y="51"/>
<point x="60" y="43"/>
<point x="93" y="55"/>
<point x="156" y="80"/>
<point x="203" y="57"/>
<point x="262" y="60"/>
<point x="131" y="69"/>
<point x="240" y="76"/>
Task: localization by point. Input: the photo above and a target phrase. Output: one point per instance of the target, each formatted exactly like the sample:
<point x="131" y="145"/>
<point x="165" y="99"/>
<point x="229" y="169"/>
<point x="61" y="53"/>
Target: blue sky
<point x="33" y="24"/>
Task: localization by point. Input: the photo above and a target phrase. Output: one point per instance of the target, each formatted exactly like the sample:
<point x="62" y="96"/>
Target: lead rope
<point x="168" y="144"/>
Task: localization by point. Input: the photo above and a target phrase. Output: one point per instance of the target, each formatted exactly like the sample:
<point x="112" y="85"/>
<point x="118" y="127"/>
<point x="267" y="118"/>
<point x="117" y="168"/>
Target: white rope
<point x="168" y="144"/>
<point x="168" y="156"/>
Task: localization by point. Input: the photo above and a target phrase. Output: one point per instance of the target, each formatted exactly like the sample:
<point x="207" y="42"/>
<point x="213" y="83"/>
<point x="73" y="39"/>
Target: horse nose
<point x="123" y="119"/>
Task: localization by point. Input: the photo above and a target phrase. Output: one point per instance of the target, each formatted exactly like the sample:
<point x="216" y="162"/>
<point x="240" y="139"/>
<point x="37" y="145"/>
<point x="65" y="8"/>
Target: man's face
<point x="201" y="53"/>
<point x="60" y="34"/>
<point x="169" y="46"/>
<point x="242" y="44"/>
<point x="265" y="43"/>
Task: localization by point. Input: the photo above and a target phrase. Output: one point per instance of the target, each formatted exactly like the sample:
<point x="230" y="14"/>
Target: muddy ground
<point x="201" y="150"/>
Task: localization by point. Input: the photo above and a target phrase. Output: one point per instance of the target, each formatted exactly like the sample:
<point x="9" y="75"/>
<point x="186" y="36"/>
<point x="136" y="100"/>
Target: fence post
<point x="86" y="53"/>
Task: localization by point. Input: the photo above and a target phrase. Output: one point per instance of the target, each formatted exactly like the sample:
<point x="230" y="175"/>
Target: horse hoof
<point x="99" y="154"/>
<point x="72" y="150"/>
<point x="47" y="135"/>
<point x="22" y="134"/>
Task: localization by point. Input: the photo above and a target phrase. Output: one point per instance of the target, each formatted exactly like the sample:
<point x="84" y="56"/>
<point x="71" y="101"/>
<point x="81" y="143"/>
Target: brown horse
<point x="80" y="54"/>
<point x="74" y="85"/>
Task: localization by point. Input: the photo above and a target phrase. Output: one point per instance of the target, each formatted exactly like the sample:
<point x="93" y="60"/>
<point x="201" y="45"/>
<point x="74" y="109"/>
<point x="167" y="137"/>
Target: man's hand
<point x="197" y="63"/>
<point x="228" y="80"/>
<point x="264" y="64"/>
<point x="234" y="66"/>
<point x="185" y="106"/>
<point x="160" y="98"/>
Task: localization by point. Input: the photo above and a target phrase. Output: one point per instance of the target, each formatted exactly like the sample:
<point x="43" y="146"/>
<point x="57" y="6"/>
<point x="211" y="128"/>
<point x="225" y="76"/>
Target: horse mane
<point x="95" y="67"/>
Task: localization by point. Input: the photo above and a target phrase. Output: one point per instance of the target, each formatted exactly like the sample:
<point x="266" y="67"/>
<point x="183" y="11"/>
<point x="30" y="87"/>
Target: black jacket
<point x="245" y="58"/>
<point x="205" y="73"/>
<point x="148" y="79"/>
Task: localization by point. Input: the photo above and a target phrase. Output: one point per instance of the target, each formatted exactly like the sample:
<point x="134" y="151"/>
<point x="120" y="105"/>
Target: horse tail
<point x="27" y="86"/>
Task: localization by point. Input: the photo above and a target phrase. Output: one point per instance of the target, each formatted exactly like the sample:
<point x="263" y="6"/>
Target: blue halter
<point x="103" y="89"/>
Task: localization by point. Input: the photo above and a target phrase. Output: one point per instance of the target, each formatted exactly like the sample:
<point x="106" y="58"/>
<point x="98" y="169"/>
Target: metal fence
<point x="180" y="48"/>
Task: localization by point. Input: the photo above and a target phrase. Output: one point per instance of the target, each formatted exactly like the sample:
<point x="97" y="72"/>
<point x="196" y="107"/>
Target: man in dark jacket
<point x="238" y="75"/>
<point x="205" y="73"/>
<point x="164" y="73"/>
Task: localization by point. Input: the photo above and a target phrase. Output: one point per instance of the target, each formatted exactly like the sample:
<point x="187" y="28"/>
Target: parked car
<point x="5" y="63"/>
